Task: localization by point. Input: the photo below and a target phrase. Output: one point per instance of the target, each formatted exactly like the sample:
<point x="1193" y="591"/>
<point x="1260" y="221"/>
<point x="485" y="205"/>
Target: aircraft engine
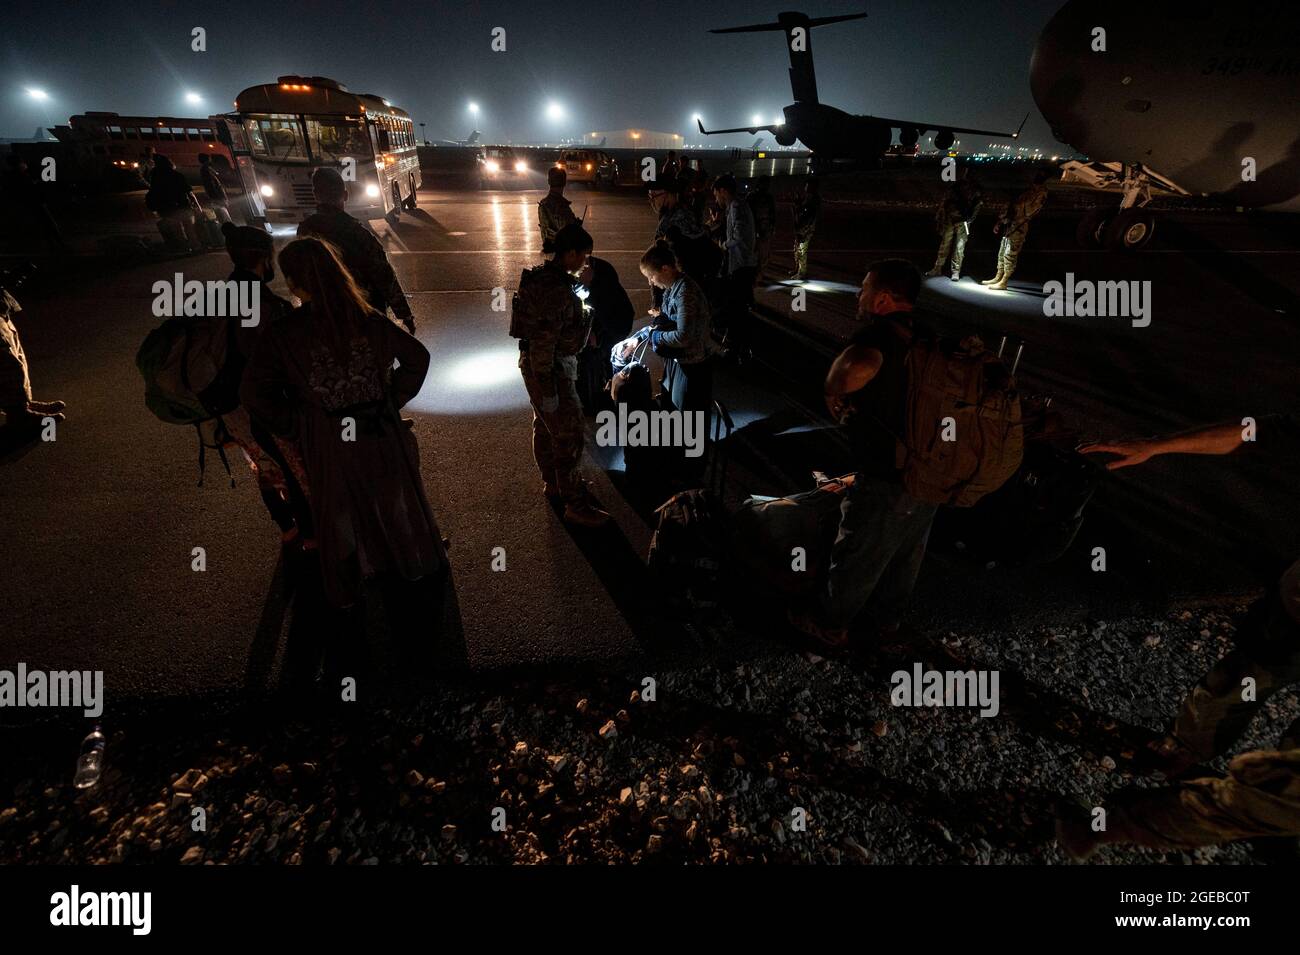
<point x="783" y="138"/>
<point x="944" y="139"/>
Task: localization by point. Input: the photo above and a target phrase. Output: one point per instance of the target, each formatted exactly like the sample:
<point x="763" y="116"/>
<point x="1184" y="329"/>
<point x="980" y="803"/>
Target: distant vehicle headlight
<point x="267" y="191"/>
<point x="492" y="166"/>
<point x="588" y="167"/>
<point x="521" y="166"/>
<point x="372" y="191"/>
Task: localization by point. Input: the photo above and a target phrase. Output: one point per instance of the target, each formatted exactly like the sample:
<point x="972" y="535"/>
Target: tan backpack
<point x="963" y="434"/>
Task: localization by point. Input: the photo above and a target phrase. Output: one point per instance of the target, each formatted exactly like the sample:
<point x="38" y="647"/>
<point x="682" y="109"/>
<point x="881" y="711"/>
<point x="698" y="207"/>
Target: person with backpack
<point x="552" y="328"/>
<point x="332" y="378"/>
<point x="172" y="199"/>
<point x="883" y="529"/>
<point x="276" y="462"/>
<point x="362" y="253"/>
<point x="218" y="201"/>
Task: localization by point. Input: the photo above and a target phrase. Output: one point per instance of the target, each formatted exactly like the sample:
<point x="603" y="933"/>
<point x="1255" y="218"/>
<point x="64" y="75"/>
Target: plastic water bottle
<point x="91" y="761"/>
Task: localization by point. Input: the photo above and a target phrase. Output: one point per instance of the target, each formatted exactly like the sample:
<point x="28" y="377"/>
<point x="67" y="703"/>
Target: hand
<point x="551" y="404"/>
<point x="839" y="408"/>
<point x="585" y="275"/>
<point x="654" y="313"/>
<point x="1130" y="453"/>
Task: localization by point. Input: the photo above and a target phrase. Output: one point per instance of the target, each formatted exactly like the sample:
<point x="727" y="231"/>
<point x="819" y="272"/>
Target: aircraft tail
<point x="473" y="138"/>
<point x="796" y="26"/>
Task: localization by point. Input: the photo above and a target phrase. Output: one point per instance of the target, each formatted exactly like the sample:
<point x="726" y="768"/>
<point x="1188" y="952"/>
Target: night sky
<point x="643" y="63"/>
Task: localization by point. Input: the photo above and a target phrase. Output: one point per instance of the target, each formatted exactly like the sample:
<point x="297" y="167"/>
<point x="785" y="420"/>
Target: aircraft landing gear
<point x="1130" y="227"/>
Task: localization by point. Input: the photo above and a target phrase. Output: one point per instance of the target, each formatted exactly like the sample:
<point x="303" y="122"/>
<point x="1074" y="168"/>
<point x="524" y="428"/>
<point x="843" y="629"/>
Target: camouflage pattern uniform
<point x="807" y="214"/>
<point x="1013" y="227"/>
<point x="548" y="360"/>
<point x="1260" y="797"/>
<point x="364" y="257"/>
<point x="554" y="212"/>
<point x="15" y="384"/>
<point x="957" y="211"/>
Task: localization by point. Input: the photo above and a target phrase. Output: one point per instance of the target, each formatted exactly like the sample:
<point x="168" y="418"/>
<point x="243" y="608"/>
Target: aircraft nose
<point x="1059" y="69"/>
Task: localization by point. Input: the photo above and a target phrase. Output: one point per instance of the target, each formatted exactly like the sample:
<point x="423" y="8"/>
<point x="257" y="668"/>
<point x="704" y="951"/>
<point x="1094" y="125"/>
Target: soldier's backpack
<point x="785" y="542"/>
<point x="963" y="435"/>
<point x="687" y="548"/>
<point x="192" y="369"/>
<point x="524" y="320"/>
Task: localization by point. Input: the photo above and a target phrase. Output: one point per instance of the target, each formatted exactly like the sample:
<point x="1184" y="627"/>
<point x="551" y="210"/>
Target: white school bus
<point x="282" y="132"/>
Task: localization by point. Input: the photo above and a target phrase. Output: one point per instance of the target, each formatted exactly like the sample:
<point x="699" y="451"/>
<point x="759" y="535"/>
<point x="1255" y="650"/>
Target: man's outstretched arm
<point x="1216" y="439"/>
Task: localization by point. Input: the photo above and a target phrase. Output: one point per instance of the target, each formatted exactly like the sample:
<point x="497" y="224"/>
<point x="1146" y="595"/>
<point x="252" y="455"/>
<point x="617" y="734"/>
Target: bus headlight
<point x="492" y="166"/>
<point x="372" y="191"/>
<point x="521" y="166"/>
<point x="267" y="191"/>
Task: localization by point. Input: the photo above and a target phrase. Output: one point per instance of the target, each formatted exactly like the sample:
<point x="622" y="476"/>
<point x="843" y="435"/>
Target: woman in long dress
<point x="333" y="375"/>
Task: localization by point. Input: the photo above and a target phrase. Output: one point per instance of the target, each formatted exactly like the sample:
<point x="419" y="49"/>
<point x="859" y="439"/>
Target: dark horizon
<point x="928" y="60"/>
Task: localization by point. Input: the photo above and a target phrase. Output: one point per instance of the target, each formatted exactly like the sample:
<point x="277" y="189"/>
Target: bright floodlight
<point x="473" y="108"/>
<point x="554" y="111"/>
<point x="758" y="120"/>
<point x="37" y="94"/>
<point x="696" y="118"/>
<point x="193" y="98"/>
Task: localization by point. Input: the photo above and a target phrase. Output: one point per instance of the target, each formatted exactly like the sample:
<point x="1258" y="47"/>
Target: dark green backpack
<point x="192" y="368"/>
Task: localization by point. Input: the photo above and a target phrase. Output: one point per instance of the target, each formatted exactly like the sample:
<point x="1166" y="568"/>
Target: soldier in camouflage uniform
<point x="22" y="412"/>
<point x="1013" y="226"/>
<point x="357" y="246"/>
<point x="1261" y="794"/>
<point x="956" y="213"/>
<point x="554" y="211"/>
<point x="552" y="326"/>
<point x="807" y="216"/>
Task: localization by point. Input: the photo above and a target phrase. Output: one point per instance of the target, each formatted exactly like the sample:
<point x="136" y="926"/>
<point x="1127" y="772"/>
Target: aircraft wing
<point x="752" y="130"/>
<point x="933" y="127"/>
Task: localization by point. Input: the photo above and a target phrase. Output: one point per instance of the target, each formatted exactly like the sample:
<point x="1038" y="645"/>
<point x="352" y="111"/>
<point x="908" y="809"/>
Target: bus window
<point x="178" y="133"/>
<point x="332" y="138"/>
<point x="277" y="137"/>
<point x="115" y="132"/>
<point x="383" y="139"/>
<point x="147" y="133"/>
<point x="207" y="135"/>
<point x="192" y="133"/>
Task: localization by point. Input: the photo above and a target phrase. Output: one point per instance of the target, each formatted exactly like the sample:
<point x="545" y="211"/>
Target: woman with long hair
<point x="334" y="374"/>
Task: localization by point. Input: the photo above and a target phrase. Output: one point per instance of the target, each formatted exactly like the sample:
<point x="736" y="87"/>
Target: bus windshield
<point x="334" y="137"/>
<point x="277" y="136"/>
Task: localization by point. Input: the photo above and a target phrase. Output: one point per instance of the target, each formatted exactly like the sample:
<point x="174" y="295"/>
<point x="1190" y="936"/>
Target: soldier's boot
<point x="995" y="280"/>
<point x="936" y="271"/>
<point x="585" y="513"/>
<point x="1000" y="280"/>
<point x="956" y="273"/>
